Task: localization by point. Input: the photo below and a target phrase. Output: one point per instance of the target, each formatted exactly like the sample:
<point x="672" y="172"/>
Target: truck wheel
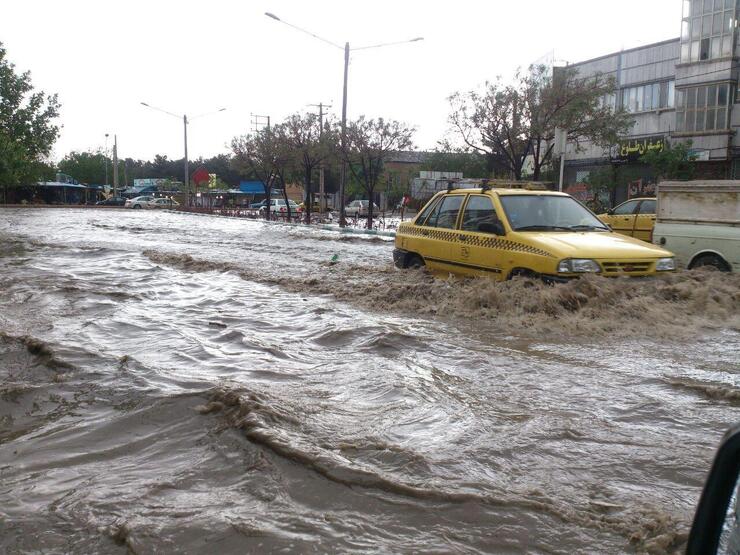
<point x="414" y="262"/>
<point x="712" y="260"/>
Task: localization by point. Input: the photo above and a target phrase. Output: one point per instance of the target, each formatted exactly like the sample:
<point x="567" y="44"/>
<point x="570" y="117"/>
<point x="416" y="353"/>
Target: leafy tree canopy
<point x="509" y="122"/>
<point x="27" y="128"/>
<point x="676" y="161"/>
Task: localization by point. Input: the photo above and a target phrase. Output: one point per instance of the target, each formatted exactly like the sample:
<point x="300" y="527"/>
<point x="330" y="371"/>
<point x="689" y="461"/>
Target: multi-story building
<point x="677" y="90"/>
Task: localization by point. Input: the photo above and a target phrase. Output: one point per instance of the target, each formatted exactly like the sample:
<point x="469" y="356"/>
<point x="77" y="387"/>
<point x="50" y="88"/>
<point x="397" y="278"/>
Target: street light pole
<point x="343" y="172"/>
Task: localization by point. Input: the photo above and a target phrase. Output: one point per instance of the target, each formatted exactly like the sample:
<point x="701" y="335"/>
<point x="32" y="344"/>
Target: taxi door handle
<point x="462" y="237"/>
<point x="425" y="233"/>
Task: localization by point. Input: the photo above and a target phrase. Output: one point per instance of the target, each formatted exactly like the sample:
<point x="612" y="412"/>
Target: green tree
<point x="87" y="167"/>
<point x="509" y="122"/>
<point x="675" y="161"/>
<point x="471" y="164"/>
<point x="369" y="143"/>
<point x="310" y="146"/>
<point x="263" y="154"/>
<point x="27" y="129"/>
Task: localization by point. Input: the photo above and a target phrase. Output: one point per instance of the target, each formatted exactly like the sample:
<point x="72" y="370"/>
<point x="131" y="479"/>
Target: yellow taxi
<point x="634" y="218"/>
<point x="506" y="232"/>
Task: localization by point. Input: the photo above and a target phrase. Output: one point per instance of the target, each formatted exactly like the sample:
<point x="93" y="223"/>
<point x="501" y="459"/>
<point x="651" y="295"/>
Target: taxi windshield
<point x="548" y="213"/>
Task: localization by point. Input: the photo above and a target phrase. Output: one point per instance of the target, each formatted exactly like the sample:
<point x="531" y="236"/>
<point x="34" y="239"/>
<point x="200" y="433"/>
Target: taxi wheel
<point x="522" y="272"/>
<point x="414" y="262"/>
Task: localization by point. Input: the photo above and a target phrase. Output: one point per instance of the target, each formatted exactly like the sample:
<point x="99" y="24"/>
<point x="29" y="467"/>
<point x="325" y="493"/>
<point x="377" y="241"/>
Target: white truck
<point x="699" y="221"/>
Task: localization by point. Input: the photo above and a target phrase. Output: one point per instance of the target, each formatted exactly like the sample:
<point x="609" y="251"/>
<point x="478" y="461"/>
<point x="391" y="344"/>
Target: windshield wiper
<point x="586" y="227"/>
<point x="542" y="228"/>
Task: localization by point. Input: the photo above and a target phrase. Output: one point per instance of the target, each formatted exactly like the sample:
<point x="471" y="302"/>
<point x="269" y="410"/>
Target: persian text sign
<point x="631" y="149"/>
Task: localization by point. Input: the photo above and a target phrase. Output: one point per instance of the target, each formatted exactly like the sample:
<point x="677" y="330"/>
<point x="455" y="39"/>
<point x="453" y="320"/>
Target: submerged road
<point x="179" y="383"/>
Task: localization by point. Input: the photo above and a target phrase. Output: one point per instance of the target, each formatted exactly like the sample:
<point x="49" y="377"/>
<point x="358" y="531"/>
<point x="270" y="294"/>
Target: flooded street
<point x="173" y="382"/>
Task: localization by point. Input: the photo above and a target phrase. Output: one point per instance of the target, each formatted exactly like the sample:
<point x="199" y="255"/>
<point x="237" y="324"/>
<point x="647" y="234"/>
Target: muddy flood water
<point x="195" y="384"/>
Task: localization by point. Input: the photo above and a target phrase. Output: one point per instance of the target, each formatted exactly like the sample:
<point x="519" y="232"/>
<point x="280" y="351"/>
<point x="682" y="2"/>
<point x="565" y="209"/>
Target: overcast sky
<point x="104" y="58"/>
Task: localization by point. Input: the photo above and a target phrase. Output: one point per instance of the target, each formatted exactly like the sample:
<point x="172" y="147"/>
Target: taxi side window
<point x="479" y="210"/>
<point x="426" y="211"/>
<point x="647" y="207"/>
<point x="626" y="208"/>
<point x="446" y="213"/>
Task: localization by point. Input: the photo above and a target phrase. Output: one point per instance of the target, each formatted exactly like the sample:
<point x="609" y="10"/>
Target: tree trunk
<point x="307" y="202"/>
<point x="370" y="192"/>
<point x="268" y="192"/>
<point x="285" y="196"/>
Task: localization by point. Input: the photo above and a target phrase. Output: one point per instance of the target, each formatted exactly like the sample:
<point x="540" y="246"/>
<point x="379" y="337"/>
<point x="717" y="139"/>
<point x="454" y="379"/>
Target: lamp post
<point x="185" y="121"/>
<point x="347" y="49"/>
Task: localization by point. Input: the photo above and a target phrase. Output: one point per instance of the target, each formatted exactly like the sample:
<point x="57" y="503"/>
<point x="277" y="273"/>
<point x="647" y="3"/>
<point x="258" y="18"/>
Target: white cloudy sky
<point x="104" y="58"/>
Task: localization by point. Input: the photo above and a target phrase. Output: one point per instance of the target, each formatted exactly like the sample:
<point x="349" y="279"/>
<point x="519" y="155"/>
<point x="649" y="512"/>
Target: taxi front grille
<point x="625" y="267"/>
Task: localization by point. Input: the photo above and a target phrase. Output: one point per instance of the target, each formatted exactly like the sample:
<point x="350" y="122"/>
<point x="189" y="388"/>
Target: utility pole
<point x="115" y="165"/>
<point x="106" y="163"/>
<point x="343" y="174"/>
<point x="322" y="199"/>
<point x="187" y="172"/>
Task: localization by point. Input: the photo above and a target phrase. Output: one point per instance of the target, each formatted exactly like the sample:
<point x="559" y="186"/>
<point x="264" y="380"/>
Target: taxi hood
<point x="592" y="244"/>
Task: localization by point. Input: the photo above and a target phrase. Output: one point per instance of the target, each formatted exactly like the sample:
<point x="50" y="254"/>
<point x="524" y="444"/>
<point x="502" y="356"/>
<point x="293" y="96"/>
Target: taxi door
<point x="645" y="220"/>
<point x="439" y="235"/>
<point x="480" y="253"/>
<point x="622" y="218"/>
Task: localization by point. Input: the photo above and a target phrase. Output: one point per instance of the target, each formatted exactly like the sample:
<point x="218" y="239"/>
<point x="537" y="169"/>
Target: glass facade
<point x="653" y="96"/>
<point x="707" y="29"/>
<point x="703" y="108"/>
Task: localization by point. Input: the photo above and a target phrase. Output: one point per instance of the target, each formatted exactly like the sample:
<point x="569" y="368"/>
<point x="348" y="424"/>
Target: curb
<point x="323" y="227"/>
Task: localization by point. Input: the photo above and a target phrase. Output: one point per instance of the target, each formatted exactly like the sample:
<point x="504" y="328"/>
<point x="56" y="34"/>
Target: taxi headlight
<point x="665" y="265"/>
<point x="578" y="266"/>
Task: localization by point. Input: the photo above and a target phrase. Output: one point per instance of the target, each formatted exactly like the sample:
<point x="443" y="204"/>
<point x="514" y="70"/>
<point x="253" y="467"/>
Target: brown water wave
<point x="647" y="528"/>
<point x="669" y="306"/>
<point x="713" y="391"/>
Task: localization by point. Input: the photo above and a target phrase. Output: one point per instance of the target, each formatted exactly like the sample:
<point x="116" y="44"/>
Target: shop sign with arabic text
<point x="632" y="149"/>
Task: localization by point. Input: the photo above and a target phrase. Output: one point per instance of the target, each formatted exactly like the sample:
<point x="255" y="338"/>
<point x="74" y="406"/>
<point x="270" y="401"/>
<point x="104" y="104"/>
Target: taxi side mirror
<point x="497" y="228"/>
<point x="713" y="519"/>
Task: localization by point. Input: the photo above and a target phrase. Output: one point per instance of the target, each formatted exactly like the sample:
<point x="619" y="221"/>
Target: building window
<point x="645" y="98"/>
<point x="707" y="29"/>
<point x="702" y="108"/>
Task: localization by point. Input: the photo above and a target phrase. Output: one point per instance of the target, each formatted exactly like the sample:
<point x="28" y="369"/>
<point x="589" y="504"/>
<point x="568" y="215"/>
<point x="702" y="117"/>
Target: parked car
<point x="112" y="201"/>
<point x="507" y="232"/>
<point x="139" y="202"/>
<point x="358" y="208"/>
<point x="163" y="203"/>
<point x="258" y="205"/>
<point x="634" y="218"/>
<point x="700" y="222"/>
<point x="278" y="206"/>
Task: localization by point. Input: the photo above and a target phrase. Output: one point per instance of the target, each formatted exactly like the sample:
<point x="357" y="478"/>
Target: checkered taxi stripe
<point x="474" y="239"/>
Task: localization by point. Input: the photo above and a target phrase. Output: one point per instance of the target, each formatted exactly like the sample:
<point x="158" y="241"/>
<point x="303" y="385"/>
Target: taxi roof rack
<point x="488" y="184"/>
